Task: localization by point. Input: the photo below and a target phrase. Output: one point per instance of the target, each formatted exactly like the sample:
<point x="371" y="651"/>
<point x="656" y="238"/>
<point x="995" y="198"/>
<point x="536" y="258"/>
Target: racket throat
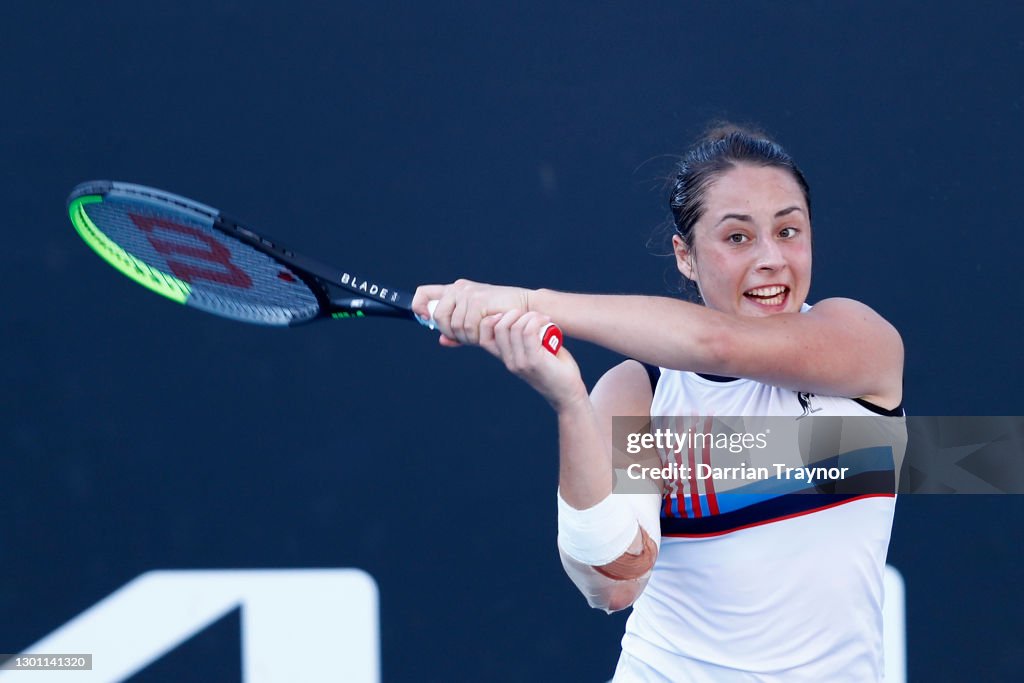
<point x="347" y="308"/>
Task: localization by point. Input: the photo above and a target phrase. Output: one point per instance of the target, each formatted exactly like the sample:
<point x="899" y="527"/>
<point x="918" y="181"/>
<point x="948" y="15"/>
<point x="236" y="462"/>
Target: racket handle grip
<point x="551" y="337"/>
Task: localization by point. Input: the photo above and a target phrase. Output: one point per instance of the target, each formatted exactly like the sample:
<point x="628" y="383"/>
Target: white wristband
<point x="599" y="534"/>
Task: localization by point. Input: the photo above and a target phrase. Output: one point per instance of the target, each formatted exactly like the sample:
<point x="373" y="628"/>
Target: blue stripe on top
<point x="870" y="472"/>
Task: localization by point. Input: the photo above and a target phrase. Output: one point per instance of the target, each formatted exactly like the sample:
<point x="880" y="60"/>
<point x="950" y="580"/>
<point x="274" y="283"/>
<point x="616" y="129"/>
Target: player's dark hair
<point x="723" y="147"/>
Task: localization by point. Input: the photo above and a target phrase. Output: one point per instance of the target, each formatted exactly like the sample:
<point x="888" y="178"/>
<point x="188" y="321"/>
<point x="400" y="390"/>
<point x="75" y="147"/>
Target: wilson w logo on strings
<point x="215" y="254"/>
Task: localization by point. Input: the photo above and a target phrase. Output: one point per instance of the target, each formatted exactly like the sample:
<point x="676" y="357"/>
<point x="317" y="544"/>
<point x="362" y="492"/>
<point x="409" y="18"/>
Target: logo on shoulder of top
<point x="805" y="402"/>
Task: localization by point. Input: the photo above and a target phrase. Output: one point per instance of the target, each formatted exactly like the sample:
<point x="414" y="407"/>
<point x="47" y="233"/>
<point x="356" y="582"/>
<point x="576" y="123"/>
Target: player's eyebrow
<point x="747" y="218"/>
<point x="791" y="209"/>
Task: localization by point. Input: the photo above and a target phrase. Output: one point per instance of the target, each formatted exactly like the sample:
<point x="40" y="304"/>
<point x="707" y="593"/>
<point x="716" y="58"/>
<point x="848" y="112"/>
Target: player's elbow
<point x="622" y="595"/>
<point x="629" y="575"/>
<point x="612" y="596"/>
<point x="625" y="578"/>
<point x="632" y="566"/>
<point x="611" y="587"/>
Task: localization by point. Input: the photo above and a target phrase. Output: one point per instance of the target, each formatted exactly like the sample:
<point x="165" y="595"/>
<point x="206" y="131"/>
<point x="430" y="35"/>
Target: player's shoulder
<point x="878" y="341"/>
<point x="625" y="387"/>
<point x="626" y="375"/>
<point x="844" y="307"/>
<point x="857" y="314"/>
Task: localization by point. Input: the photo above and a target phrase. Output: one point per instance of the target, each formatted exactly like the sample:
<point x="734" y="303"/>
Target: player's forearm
<point x="585" y="458"/>
<point x="608" y="542"/>
<point x="657" y="330"/>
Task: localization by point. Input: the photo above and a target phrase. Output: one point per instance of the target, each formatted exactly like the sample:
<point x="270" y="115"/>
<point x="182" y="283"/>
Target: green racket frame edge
<point x="152" y="279"/>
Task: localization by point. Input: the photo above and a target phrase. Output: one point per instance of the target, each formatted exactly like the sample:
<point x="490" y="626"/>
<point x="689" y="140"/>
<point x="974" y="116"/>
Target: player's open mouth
<point x="772" y="295"/>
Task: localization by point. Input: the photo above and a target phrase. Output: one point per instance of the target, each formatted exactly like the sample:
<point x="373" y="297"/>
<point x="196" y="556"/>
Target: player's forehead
<point x="753" y="190"/>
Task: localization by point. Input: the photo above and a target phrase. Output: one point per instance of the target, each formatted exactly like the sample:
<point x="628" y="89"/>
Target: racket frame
<point x="364" y="297"/>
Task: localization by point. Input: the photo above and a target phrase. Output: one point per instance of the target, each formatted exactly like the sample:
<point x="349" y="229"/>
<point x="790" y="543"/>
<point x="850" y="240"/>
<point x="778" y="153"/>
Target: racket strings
<point x="226" y="276"/>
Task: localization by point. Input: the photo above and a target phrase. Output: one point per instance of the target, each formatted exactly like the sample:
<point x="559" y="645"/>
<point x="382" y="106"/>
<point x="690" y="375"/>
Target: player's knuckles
<point x="467" y="289"/>
<point x="534" y="322"/>
<point x="521" y="322"/>
<point x="507" y="320"/>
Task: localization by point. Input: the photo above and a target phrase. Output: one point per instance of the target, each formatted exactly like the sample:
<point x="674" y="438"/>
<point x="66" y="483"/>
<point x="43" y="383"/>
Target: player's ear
<point x="684" y="258"/>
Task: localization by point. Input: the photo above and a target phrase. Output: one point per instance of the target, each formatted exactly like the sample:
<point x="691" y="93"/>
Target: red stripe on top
<point x="709" y="483"/>
<point x="694" y="493"/>
<point x="672" y="489"/>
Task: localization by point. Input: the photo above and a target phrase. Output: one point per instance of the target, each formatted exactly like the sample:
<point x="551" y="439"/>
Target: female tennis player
<point x="780" y="586"/>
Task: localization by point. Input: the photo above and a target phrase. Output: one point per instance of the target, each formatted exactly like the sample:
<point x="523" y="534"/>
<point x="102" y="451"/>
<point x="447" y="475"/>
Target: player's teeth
<point x="768" y="296"/>
<point x="767" y="291"/>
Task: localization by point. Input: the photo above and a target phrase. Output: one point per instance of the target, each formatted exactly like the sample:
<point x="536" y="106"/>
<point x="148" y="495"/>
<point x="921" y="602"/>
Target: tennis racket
<point x="195" y="255"/>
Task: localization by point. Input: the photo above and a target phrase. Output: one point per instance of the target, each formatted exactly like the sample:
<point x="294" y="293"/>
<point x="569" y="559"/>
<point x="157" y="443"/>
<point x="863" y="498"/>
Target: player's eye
<point x="788" y="232"/>
<point x="737" y="238"/>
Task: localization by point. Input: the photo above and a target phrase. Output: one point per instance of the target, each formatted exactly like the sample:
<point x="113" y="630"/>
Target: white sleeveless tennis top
<point x="776" y="586"/>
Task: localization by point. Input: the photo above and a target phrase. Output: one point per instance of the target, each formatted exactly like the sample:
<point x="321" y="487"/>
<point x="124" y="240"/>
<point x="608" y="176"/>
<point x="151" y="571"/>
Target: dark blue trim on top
<point x="653" y="374"/>
<point x="879" y="410"/>
<point x="755" y="515"/>
<point x="717" y="378"/>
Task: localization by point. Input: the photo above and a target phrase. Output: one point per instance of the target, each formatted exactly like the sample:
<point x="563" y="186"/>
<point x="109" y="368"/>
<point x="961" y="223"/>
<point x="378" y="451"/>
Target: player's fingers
<point x="516" y="342"/>
<point x="460" y="326"/>
<point x="525" y="346"/>
<point x="502" y="336"/>
<point x="532" y="333"/>
<point x="471" y="322"/>
<point x="443" y="312"/>
<point x="487" y="334"/>
<point x="424" y="295"/>
<point x="448" y="343"/>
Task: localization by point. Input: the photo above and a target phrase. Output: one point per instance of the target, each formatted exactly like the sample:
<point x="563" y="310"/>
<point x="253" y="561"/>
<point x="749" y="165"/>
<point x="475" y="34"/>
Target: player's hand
<point x="463" y="304"/>
<point x="512" y="337"/>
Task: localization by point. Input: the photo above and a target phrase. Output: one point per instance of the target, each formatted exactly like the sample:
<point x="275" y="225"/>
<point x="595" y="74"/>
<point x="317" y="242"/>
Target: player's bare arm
<point x="611" y="576"/>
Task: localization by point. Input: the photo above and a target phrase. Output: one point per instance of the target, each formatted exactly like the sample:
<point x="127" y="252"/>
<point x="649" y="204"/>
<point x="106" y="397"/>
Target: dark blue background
<point x="428" y="141"/>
